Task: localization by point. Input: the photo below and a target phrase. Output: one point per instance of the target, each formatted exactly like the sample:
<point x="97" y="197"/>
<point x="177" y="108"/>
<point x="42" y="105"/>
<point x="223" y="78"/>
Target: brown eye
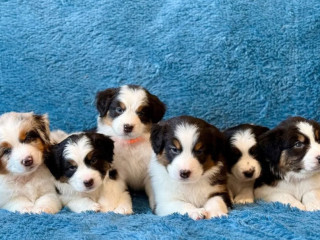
<point x="141" y="113"/>
<point x="93" y="161"/>
<point x="7" y="151"/>
<point x="198" y="152"/>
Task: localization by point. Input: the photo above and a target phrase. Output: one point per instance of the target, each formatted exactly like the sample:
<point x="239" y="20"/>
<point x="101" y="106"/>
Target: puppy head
<point x="24" y="138"/>
<point x="242" y="151"/>
<point x="82" y="160"/>
<point x="187" y="147"/>
<point x="129" y="110"/>
<point x="293" y="146"/>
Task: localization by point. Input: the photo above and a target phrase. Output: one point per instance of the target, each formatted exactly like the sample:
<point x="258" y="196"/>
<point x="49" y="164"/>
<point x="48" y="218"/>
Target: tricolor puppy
<point x="26" y="184"/>
<point x="126" y="114"/>
<point x="187" y="171"/>
<point x="81" y="165"/>
<point x="291" y="170"/>
<point x="243" y="160"/>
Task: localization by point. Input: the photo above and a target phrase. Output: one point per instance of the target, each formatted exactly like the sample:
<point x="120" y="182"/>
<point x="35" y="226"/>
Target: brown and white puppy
<point x="187" y="169"/>
<point x="243" y="158"/>
<point x="26" y="185"/>
<point x="81" y="165"/>
<point x="291" y="170"/>
<point x="126" y="115"/>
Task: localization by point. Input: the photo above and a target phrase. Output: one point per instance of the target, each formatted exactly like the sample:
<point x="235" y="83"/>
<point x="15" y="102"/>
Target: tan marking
<point x="139" y="109"/>
<point x="301" y="138"/>
<point x="162" y="159"/>
<point x="107" y="120"/>
<point x="38" y="143"/>
<point x="218" y="189"/>
<point x="122" y="105"/>
<point x="5" y="145"/>
<point x="317" y="135"/>
<point x="23" y="134"/>
<point x="89" y="155"/>
<point x="176" y="143"/>
<point x="283" y="160"/>
<point x="208" y="164"/>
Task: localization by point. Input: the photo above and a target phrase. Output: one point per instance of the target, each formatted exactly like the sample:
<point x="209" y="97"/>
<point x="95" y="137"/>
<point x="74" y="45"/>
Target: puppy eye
<point x="141" y="113"/>
<point x="7" y="151"/>
<point x="72" y="168"/>
<point x="198" y="152"/>
<point x="119" y="110"/>
<point x="31" y="136"/>
<point x="93" y="161"/>
<point x="174" y="150"/>
<point x="253" y="151"/>
<point x="298" y="144"/>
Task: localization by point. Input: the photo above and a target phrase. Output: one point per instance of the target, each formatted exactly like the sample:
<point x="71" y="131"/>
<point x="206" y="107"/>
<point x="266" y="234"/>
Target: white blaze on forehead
<point x="307" y="130"/>
<point x="187" y="135"/>
<point x="243" y="140"/>
<point x="77" y="151"/>
<point x="132" y="98"/>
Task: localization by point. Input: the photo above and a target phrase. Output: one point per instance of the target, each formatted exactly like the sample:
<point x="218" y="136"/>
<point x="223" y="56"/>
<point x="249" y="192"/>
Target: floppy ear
<point x="54" y="160"/>
<point x="271" y="144"/>
<point x="259" y="130"/>
<point x="104" y="145"/>
<point x="158" y="108"/>
<point x="104" y="99"/>
<point x="41" y="123"/>
<point x="157" y="138"/>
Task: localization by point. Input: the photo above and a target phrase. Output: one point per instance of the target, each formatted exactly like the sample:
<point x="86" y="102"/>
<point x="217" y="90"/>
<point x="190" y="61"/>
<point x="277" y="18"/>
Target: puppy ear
<point x="104" y="99"/>
<point x="259" y="130"/>
<point x="41" y="124"/>
<point x="54" y="160"/>
<point x="157" y="137"/>
<point x="104" y="146"/>
<point x="158" y="108"/>
<point x="218" y="141"/>
<point x="271" y="144"/>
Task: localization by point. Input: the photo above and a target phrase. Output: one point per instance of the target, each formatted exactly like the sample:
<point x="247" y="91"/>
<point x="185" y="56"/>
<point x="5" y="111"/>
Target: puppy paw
<point x="96" y="207"/>
<point x="123" y="210"/>
<point x="242" y="200"/>
<point x="197" y="213"/>
<point x="28" y="209"/>
<point x="312" y="207"/>
<point x="39" y="210"/>
<point x="299" y="206"/>
<point x="217" y="213"/>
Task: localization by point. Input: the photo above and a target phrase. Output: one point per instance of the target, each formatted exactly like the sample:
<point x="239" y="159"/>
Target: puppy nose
<point x="88" y="183"/>
<point x="248" y="173"/>
<point x="185" y="173"/>
<point x="28" y="161"/>
<point x="318" y="158"/>
<point x="127" y="128"/>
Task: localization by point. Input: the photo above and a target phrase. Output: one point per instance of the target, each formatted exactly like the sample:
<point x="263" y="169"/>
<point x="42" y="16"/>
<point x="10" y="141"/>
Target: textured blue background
<point x="222" y="60"/>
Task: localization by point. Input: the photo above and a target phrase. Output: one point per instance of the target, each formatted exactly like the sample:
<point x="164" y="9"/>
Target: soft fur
<point x="291" y="170"/>
<point x="187" y="169"/>
<point x="126" y="114"/>
<point x="81" y="165"/>
<point x="26" y="185"/>
<point x="243" y="160"/>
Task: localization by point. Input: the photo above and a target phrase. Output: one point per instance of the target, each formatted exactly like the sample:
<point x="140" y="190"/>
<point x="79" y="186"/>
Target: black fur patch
<point x="113" y="174"/>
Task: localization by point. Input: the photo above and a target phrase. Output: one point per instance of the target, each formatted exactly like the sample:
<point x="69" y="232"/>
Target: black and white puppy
<point x="81" y="165"/>
<point x="243" y="160"/>
<point x="291" y="170"/>
<point x="187" y="169"/>
<point x="26" y="184"/>
<point x="126" y="115"/>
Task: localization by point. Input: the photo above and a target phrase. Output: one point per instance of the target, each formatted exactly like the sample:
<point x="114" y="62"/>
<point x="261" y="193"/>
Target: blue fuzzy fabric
<point x="226" y="61"/>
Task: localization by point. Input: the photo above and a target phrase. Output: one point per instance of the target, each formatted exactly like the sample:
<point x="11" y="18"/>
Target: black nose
<point x="88" y="183"/>
<point x="318" y="158"/>
<point x="127" y="128"/>
<point x="28" y="161"/>
<point x="248" y="173"/>
<point x="185" y="173"/>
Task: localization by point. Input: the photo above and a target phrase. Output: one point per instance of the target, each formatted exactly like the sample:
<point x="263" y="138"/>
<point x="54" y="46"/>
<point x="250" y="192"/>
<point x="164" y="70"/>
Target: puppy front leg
<point x="169" y="207"/>
<point x="83" y="204"/>
<point x="48" y="203"/>
<point x="149" y="192"/>
<point x="125" y="204"/>
<point x="216" y="207"/>
<point x="312" y="200"/>
<point x="244" y="196"/>
<point x="19" y="204"/>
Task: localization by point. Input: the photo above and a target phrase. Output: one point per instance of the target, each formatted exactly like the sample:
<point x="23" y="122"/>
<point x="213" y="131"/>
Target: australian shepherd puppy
<point x="81" y="166"/>
<point x="243" y="160"/>
<point x="291" y="170"/>
<point x="126" y="115"/>
<point x="26" y="184"/>
<point x="187" y="169"/>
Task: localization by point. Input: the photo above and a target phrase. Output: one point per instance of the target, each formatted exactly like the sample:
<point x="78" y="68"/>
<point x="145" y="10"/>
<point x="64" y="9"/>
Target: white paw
<point x="197" y="213"/>
<point x="38" y="210"/>
<point x="123" y="210"/>
<point x="217" y="213"/>
<point x="298" y="205"/>
<point x="96" y="207"/>
<point x="242" y="200"/>
<point x="28" y="209"/>
<point x="312" y="207"/>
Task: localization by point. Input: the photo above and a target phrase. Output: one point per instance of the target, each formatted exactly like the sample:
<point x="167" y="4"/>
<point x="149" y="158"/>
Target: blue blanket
<point x="226" y="61"/>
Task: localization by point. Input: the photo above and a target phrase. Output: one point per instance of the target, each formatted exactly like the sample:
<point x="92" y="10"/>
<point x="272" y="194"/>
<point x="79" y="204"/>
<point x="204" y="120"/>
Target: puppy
<point x="187" y="169"/>
<point x="291" y="170"/>
<point x="81" y="165"/>
<point x="126" y="114"/>
<point x="26" y="185"/>
<point x="243" y="160"/>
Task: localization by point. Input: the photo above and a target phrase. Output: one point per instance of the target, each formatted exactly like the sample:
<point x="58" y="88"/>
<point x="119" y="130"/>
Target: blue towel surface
<point x="225" y="61"/>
